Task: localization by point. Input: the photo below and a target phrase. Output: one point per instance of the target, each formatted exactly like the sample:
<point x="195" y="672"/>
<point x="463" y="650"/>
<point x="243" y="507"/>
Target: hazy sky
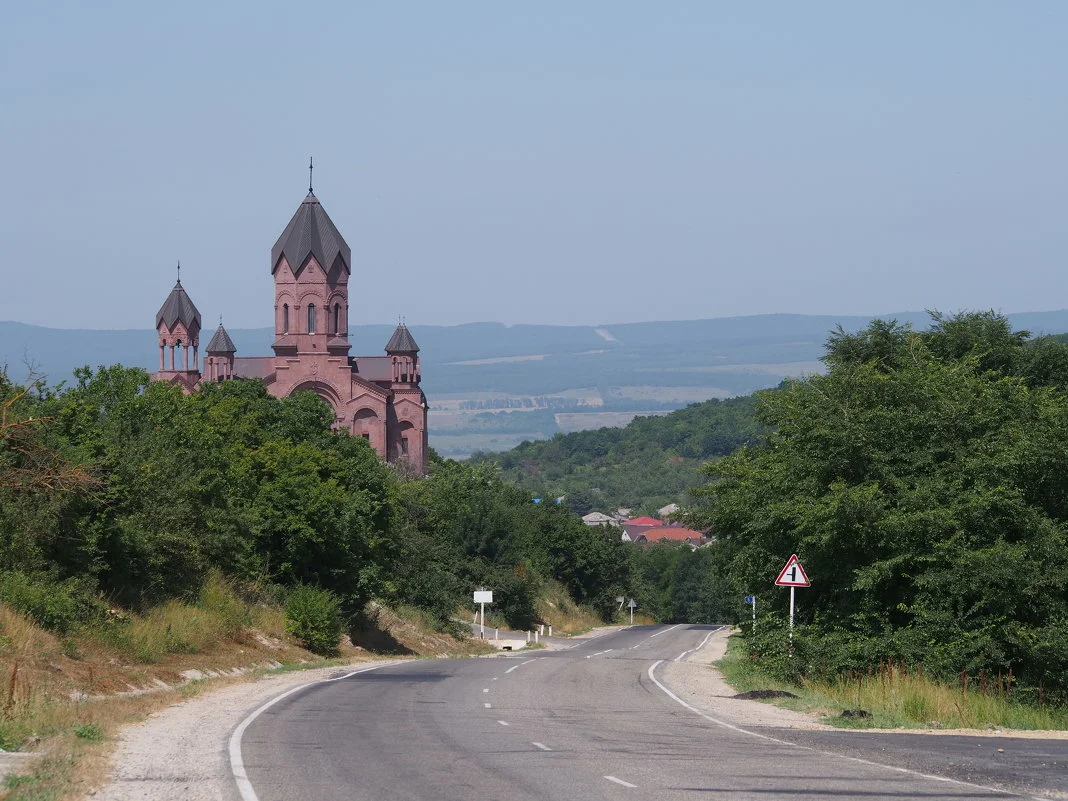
<point x="555" y="162"/>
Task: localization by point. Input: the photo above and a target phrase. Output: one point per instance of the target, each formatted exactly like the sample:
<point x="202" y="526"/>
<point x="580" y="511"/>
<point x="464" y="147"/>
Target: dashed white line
<point x="620" y="781"/>
<point x="665" y="631"/>
<point x="488" y="706"/>
<point x="503" y="722"/>
<point x="513" y="667"/>
<point x="542" y="746"/>
<point x="485" y="689"/>
<point x="591" y="656"/>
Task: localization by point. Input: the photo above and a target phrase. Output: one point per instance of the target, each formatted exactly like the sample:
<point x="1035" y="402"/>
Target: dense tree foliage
<point x="127" y="490"/>
<point x="647" y="464"/>
<point x="924" y="483"/>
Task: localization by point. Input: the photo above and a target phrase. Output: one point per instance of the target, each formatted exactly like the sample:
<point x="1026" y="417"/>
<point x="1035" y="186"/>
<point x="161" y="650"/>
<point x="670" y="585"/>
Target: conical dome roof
<point x="311" y="232"/>
<point x="178" y="308"/>
<point x="402" y="341"/>
<point x="221" y="342"/>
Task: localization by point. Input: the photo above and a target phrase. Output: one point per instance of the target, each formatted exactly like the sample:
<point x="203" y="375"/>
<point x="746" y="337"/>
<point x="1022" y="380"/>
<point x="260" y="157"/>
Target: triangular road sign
<point x="793" y="575"/>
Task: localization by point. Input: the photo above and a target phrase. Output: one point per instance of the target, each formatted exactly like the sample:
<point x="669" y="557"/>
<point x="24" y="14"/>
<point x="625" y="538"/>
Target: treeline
<point x="924" y="483"/>
<point x="647" y="464"/>
<point x="121" y="491"/>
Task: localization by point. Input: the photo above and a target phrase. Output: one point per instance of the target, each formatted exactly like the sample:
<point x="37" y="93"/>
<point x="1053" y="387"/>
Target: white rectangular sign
<point x="483" y="596"/>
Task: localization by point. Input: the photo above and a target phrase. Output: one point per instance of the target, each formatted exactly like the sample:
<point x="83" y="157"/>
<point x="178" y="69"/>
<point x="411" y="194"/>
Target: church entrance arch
<point x="324" y="391"/>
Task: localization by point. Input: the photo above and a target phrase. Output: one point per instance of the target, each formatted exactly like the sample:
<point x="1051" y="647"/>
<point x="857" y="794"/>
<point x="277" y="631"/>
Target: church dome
<point x="221" y="342"/>
<point x="311" y="232"/>
<point x="402" y="341"/>
<point x="178" y="308"/>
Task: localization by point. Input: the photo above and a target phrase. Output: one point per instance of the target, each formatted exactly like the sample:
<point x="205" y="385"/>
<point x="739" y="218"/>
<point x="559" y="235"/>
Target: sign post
<point x="632" y="604"/>
<point x="483" y="597"/>
<point x="751" y="599"/>
<point x="792" y="576"/>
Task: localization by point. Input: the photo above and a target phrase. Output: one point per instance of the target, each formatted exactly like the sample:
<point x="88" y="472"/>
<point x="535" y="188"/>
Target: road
<point x="592" y="722"/>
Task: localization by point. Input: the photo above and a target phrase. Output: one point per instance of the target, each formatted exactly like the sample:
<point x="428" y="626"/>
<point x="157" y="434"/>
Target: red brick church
<point x="376" y="397"/>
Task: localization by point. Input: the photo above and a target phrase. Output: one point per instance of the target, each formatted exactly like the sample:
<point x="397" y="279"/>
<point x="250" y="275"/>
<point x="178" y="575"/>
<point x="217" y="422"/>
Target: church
<point x="375" y="397"/>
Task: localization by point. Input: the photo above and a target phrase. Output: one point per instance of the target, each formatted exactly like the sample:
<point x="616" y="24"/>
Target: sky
<point x="558" y="162"/>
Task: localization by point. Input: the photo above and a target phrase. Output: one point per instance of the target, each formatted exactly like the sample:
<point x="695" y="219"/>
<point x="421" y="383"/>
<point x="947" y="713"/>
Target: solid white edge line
<point x="620" y="781"/>
<point x="699" y="647"/>
<point x="513" y="667"/>
<point x="237" y="764"/>
<point x="831" y="754"/>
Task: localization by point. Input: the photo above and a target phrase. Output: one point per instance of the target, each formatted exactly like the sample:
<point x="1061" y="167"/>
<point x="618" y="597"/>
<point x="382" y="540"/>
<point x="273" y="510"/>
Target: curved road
<point x="593" y="722"/>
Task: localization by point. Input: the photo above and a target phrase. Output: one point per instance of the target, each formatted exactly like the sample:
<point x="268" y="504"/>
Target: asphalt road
<point x="592" y="723"/>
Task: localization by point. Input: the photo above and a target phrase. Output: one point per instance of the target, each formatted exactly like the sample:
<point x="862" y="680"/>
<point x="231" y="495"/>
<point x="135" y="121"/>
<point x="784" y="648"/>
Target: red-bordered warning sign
<point x="793" y="575"/>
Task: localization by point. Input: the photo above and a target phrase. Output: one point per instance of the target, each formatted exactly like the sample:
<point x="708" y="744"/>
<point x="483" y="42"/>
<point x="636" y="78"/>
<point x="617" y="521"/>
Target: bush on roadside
<point x="313" y="616"/>
<point x="60" y="606"/>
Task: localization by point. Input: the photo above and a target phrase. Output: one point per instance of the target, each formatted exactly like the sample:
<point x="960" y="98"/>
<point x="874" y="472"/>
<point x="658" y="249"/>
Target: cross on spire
<point x="311" y="166"/>
<point x="179" y="271"/>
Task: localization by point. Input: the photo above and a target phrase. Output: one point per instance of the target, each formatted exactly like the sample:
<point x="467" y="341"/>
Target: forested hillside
<point x="122" y="492"/>
<point x="924" y="484"/>
<point x="647" y="464"/>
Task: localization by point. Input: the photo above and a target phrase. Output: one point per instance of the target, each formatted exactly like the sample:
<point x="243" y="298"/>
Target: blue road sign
<point x="749" y="599"/>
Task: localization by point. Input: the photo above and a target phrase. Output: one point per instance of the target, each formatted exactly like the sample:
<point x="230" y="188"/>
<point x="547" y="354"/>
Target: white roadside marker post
<point x="483" y="597"/>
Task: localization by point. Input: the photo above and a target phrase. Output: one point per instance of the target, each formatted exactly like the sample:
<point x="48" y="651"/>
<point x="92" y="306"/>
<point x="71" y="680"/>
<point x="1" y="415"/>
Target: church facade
<point x="375" y="397"/>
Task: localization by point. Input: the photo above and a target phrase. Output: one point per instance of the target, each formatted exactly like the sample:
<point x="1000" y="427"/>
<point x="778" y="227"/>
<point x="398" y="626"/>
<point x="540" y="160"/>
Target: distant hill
<point x="492" y="386"/>
<point x="645" y="465"/>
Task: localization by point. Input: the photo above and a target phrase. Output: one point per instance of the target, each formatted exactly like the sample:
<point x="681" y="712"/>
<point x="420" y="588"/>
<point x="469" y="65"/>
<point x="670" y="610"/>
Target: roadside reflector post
<point x="550" y="629"/>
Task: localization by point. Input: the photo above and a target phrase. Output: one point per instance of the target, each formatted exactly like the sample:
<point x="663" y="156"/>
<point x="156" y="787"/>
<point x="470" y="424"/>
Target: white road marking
<point x="662" y="631"/>
<point x="514" y="667"/>
<point x="485" y="689"/>
<point x="503" y="722"/>
<point x="665" y="631"/>
<point x="620" y="781"/>
<point x="495" y="678"/>
<point x="542" y="746"/>
<point x="699" y="647"/>
<point x="487" y="705"/>
<point x="527" y="662"/>
<point x="237" y="764"/>
<point x="810" y="749"/>
<point x="598" y="653"/>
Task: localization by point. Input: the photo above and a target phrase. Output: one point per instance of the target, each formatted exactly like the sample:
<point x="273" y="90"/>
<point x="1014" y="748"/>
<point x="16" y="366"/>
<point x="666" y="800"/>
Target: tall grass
<point x="556" y="608"/>
<point x="897" y="697"/>
<point x="914" y="698"/>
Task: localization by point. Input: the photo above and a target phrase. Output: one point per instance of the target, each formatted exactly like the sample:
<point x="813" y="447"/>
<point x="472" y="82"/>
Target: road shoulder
<point x="180" y="753"/>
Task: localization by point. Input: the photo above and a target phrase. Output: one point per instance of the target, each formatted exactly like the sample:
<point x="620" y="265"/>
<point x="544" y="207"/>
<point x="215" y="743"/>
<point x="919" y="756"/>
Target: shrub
<point x="313" y="616"/>
<point x="57" y="605"/>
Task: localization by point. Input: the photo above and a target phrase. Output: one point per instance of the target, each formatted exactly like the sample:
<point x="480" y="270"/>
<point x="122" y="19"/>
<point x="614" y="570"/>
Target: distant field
<point x="462" y="446"/>
<point x="682" y="395"/>
<point x="579" y="421"/>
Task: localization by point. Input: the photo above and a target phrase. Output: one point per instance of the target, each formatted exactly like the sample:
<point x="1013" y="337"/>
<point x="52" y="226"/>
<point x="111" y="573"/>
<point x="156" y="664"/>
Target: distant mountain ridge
<point x="479" y="376"/>
<point x="757" y="339"/>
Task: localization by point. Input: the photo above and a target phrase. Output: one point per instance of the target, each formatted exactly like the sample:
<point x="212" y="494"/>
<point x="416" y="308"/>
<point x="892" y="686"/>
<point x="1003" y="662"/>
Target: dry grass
<point x="555" y="607"/>
<point x="915" y="699"/>
<point x="68" y="699"/>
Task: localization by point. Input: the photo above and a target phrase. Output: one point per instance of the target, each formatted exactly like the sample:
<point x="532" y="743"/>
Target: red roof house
<point x="670" y="534"/>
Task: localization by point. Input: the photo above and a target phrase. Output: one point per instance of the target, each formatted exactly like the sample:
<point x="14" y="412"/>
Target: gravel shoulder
<point x="180" y="753"/>
<point x="697" y="682"/>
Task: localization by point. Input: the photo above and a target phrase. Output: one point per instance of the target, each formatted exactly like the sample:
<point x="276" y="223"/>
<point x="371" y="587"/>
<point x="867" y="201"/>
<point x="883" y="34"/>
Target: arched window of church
<point x="285" y="318"/>
<point x="311" y="318"/>
<point x="337" y="319"/>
